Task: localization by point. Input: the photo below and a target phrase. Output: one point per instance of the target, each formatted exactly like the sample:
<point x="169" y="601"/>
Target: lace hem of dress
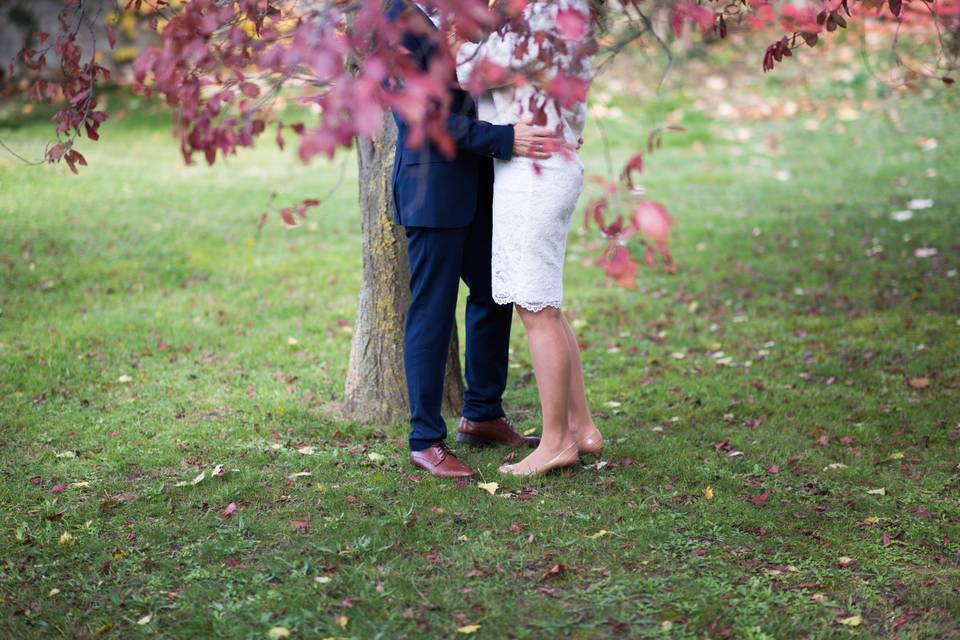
<point x="529" y="306"/>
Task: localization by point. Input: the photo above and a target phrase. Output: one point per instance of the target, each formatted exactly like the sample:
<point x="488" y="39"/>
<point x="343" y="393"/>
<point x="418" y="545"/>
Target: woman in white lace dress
<point x="533" y="204"/>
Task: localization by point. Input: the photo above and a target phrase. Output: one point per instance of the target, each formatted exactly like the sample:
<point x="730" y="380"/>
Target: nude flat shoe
<point x="592" y="445"/>
<point x="562" y="459"/>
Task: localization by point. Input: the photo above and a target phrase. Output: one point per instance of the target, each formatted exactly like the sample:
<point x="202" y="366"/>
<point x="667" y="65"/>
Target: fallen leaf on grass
<point x="57" y="488"/>
<point x="303" y="526"/>
<point x="276" y="633"/>
<point x="761" y="499"/>
<point x="66" y="539"/>
<point x="53" y="592"/>
<point x="229" y="510"/>
<point x="145" y="620"/>
<point x="834" y="465"/>
<point x="124" y="379"/>
<point x="489" y="487"/>
<point x="554" y="571"/>
<point x="307" y="451"/>
<point x="66" y="454"/>
<point x="708" y="493"/>
<point x="109" y="503"/>
<point x="852" y="621"/>
<point x="598" y="534"/>
<point x="376" y="457"/>
<point x="200" y="478"/>
<point x="468" y="629"/>
<point x="299" y="474"/>
<point x="919" y="383"/>
<point x="877" y="492"/>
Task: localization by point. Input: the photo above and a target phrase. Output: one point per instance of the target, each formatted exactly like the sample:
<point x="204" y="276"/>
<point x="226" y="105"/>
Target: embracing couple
<point x="496" y="216"/>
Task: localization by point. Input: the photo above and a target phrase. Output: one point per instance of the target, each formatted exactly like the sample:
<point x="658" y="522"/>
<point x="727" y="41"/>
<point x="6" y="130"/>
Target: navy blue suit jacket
<point x="429" y="189"/>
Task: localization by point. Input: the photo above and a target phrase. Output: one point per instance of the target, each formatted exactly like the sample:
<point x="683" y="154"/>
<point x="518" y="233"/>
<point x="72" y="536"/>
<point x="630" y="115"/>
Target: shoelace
<point x="444" y="450"/>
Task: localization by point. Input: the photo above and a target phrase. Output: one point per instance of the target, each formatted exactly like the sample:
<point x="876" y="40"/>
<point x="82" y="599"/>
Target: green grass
<point x="141" y="267"/>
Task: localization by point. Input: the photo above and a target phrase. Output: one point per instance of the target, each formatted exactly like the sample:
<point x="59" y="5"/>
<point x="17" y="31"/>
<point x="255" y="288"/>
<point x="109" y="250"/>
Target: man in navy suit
<point x="445" y="205"/>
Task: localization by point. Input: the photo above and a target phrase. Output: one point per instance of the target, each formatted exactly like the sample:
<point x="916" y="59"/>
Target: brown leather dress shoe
<point x="497" y="431"/>
<point x="441" y="462"/>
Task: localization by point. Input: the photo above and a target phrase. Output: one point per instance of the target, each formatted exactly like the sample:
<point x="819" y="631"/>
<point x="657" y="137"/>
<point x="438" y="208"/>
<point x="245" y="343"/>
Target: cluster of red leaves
<point x="76" y="88"/>
<point x="648" y="221"/>
<point x="222" y="63"/>
<point x="804" y="23"/>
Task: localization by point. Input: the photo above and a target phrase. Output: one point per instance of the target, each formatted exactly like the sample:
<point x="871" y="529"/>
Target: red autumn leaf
<point x="761" y="499"/>
<point x="620" y="267"/>
<point x="111" y="38"/>
<point x="554" y="571"/>
<point x="653" y="221"/>
<point x="229" y="510"/>
<point x="772" y="469"/>
<point x="57" y="488"/>
<point x="595" y="210"/>
<point x="633" y="164"/>
<point x="300" y="524"/>
<point x="885" y="540"/>
<point x="572" y="24"/>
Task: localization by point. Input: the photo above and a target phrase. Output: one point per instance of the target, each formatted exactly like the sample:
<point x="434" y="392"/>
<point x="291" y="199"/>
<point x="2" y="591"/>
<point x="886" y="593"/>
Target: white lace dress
<point x="533" y="200"/>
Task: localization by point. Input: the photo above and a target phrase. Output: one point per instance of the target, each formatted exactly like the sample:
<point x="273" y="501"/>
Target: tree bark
<point x="376" y="388"/>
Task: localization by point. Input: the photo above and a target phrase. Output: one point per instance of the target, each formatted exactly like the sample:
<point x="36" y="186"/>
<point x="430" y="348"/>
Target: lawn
<point x="782" y="413"/>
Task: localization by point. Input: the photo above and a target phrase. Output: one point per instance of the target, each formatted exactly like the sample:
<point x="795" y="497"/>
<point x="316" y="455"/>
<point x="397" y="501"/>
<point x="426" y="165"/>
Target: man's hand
<point x="535" y="142"/>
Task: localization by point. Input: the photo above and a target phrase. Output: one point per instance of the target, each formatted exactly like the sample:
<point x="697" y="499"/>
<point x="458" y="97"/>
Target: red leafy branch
<point x="649" y="222"/>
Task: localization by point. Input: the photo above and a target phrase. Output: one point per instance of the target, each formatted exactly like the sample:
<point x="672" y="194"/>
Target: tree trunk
<point x="376" y="388"/>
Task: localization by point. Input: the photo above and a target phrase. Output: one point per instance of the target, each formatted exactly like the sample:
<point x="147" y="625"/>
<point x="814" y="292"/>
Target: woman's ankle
<point x="557" y="444"/>
<point x="583" y="429"/>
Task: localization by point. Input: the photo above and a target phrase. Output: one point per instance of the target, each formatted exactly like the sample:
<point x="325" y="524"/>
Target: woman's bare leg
<point x="550" y="355"/>
<point x="578" y="417"/>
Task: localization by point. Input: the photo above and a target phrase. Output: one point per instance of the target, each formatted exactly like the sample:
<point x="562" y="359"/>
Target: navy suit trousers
<point x="439" y="259"/>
